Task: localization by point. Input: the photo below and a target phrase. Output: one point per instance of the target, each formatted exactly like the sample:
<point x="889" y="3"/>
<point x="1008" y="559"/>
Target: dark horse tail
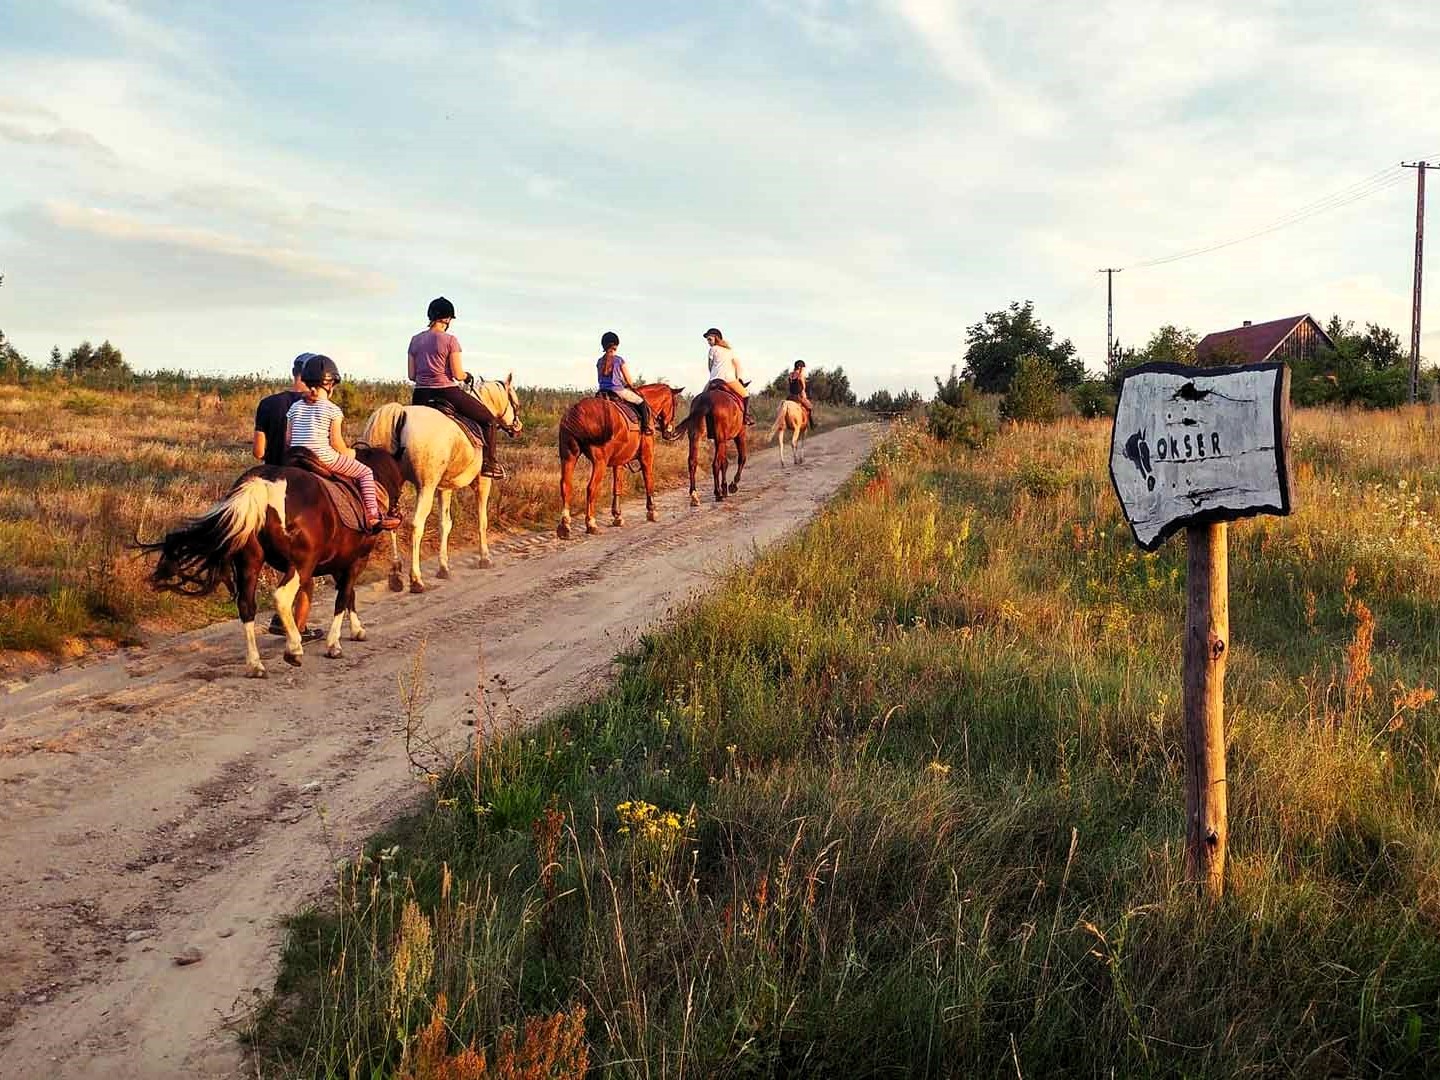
<point x="700" y="411"/>
<point x="195" y="558"/>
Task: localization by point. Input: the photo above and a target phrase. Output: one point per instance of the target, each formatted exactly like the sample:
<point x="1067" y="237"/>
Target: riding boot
<point x="745" y="405"/>
<point x="647" y="425"/>
<point x="490" y="467"/>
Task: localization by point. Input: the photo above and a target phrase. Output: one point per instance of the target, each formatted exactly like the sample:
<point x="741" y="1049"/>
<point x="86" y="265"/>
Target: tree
<point x="1034" y="392"/>
<point x="87" y="359"/>
<point x="959" y="414"/>
<point x="1170" y="344"/>
<point x="882" y="401"/>
<point x="994" y="346"/>
<point x="13" y="363"/>
<point x="828" y="387"/>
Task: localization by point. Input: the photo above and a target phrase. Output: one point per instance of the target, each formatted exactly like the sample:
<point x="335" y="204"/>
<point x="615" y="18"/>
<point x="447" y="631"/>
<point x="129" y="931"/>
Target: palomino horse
<point x="793" y="418"/>
<point x="720" y="414"/>
<point x="276" y="515"/>
<point x="434" y="453"/>
<point x="597" y="428"/>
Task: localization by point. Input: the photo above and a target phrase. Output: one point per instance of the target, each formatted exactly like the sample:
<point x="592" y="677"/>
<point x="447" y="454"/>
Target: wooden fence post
<point x="1207" y="640"/>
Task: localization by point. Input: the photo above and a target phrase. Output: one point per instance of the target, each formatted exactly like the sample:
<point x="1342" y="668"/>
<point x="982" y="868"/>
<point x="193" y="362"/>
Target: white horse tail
<point x="194" y="557"/>
<point x="384" y="427"/>
<point x="779" y="425"/>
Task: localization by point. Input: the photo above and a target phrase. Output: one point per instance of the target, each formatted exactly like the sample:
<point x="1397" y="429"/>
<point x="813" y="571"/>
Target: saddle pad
<point x="720" y="386"/>
<point x="469" y="427"/>
<point x="627" y="412"/>
<point x="349" y="507"/>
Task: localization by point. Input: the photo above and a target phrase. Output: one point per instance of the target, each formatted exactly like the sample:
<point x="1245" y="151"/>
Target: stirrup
<point x="493" y="469"/>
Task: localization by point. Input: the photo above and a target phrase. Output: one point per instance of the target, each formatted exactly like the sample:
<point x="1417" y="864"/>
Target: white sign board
<point x="1193" y="445"/>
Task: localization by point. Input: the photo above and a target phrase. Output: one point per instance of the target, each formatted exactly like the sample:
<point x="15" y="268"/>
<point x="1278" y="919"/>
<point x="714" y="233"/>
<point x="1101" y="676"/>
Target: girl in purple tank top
<point x="435" y="367"/>
<point x="615" y="379"/>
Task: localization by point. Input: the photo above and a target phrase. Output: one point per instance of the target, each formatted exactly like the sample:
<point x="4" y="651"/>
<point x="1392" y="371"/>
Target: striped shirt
<point x="310" y="427"/>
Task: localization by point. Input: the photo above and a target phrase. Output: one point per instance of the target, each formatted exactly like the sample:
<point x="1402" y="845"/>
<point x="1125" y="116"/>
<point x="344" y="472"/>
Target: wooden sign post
<point x="1194" y="448"/>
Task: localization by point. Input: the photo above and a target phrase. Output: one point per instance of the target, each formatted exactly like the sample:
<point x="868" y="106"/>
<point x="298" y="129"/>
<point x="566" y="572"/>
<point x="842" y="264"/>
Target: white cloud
<point x="64" y="138"/>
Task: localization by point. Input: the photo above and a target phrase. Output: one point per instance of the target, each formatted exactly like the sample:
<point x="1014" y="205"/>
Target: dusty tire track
<point x="161" y="800"/>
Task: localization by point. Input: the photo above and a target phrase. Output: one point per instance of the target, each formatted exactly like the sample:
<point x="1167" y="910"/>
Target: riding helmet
<point x="799" y="364"/>
<point x="610" y="337"/>
<point x="318" y="369"/>
<point x="299" y="365"/>
<point x="440" y="308"/>
<point x="712" y="330"/>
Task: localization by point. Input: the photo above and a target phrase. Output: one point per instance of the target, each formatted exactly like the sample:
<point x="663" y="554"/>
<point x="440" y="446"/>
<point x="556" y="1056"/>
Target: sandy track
<point x="160" y="800"/>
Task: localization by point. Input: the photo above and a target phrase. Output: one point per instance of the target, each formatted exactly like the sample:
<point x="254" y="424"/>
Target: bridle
<point x="509" y="418"/>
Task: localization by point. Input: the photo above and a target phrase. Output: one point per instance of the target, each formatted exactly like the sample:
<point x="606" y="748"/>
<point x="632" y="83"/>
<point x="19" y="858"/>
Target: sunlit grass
<point x="921" y="780"/>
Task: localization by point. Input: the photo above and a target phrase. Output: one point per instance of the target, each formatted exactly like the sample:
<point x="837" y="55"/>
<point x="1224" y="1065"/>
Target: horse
<point x="276" y="515"/>
<point x="435" y="454"/>
<point x="597" y="428"/>
<point x="793" y="418"/>
<point x="722" y="417"/>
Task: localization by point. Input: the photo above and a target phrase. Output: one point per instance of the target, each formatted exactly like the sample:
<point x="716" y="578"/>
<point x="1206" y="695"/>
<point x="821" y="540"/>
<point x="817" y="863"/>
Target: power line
<point x="1355" y="193"/>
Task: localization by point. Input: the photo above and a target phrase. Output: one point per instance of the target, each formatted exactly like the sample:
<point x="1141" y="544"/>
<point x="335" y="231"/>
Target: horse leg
<point x="740" y="448"/>
<point x="694" y="462"/>
<point x="780" y="442"/>
<point x="344" y="590"/>
<point x="285" y="608"/>
<point x="567" y="475"/>
<point x="795" y="438"/>
<point x="719" y="463"/>
<point x="592" y="493"/>
<point x="444" y="571"/>
<point x="647" y="470"/>
<point x="397" y="579"/>
<point x="246" y="563"/>
<point x="423" y="502"/>
<point x="482" y="516"/>
<point x="615" y="518"/>
<point x="303" y="599"/>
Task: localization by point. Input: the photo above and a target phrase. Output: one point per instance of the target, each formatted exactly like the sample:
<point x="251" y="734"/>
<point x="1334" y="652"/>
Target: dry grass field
<point x="82" y="470"/>
<point x="906" y="799"/>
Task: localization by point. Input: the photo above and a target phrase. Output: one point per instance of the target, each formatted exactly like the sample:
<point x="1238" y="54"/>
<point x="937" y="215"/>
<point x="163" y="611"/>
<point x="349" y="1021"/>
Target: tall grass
<point x="907" y="799"/>
<point x="85" y="464"/>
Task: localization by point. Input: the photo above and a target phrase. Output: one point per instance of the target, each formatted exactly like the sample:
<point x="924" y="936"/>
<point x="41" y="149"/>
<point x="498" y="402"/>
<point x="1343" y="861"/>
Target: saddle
<point x="471" y="428"/>
<point x="627" y="410"/>
<point x="343" y="493"/>
<point x="719" y="385"/>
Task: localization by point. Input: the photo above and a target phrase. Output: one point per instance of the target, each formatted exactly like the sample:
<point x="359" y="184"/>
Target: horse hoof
<point x="563" y="530"/>
<point x="256" y="671"/>
<point x="734" y="487"/>
<point x="694" y="499"/>
<point x="293" y="659"/>
<point x="358" y="635"/>
<point x="417" y="586"/>
<point x="397" y="582"/>
<point x="618" y="522"/>
<point x="650" y="515"/>
<point x="443" y="573"/>
<point x="485" y="562"/>
<point x="334" y="652"/>
<point x="592" y="528"/>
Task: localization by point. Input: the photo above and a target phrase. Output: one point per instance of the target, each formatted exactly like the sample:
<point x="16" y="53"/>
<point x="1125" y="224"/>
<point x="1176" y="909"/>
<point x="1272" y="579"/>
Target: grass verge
<point x="906" y="799"/>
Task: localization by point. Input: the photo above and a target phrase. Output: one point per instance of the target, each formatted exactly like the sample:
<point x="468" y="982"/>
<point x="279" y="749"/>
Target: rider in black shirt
<point x="270" y="416"/>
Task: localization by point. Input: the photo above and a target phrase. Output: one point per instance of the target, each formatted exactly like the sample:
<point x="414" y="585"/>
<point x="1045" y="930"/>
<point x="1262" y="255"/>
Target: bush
<point x="1033" y="393"/>
<point x="959" y="414"/>
<point x="1093" y="398"/>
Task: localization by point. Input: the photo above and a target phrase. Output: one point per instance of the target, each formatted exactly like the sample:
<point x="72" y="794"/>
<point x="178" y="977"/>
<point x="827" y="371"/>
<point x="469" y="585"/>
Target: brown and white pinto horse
<point x="597" y="428"/>
<point x="276" y="515"/>
<point x="720" y="415"/>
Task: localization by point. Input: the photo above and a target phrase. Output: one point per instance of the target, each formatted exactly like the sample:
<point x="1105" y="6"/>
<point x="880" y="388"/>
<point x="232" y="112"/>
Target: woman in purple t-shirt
<point x="437" y="372"/>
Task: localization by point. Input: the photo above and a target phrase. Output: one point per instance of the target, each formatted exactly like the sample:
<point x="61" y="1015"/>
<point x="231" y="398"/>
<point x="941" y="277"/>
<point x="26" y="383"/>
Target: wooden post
<point x="1207" y="639"/>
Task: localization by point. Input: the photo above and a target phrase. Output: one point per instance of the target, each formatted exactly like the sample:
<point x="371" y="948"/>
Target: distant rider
<point x="797" y="392"/>
<point x="316" y="423"/>
<point x="725" y="368"/>
<point x="615" y="380"/>
<point x="269" y="445"/>
<point x="437" y="372"/>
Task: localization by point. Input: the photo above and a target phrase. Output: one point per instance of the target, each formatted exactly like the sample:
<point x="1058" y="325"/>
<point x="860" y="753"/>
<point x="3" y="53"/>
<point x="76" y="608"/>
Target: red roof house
<point x="1297" y="338"/>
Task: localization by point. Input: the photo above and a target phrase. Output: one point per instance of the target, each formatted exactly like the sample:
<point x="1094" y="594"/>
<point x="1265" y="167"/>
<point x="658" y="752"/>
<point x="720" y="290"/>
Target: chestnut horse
<point x="596" y="427"/>
<point x="722" y="418"/>
<point x="276" y="515"/>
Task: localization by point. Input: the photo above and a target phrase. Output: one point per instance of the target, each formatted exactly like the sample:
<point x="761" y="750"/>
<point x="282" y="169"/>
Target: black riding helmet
<point x="610" y="337"/>
<point x="799" y="364"/>
<point x="440" y="308"/>
<point x="318" y="369"/>
<point x="713" y="332"/>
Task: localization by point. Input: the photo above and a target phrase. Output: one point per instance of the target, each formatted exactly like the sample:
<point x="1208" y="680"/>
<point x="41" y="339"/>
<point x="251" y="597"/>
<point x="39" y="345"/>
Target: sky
<point x="219" y="187"/>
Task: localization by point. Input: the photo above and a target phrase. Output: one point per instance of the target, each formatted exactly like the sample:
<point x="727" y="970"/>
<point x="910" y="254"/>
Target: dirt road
<point x="159" y="801"/>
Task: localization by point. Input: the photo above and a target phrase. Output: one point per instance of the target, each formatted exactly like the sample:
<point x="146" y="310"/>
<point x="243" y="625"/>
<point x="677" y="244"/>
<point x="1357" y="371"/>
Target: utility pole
<point x="1420" y="168"/>
<point x="1110" y="272"/>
